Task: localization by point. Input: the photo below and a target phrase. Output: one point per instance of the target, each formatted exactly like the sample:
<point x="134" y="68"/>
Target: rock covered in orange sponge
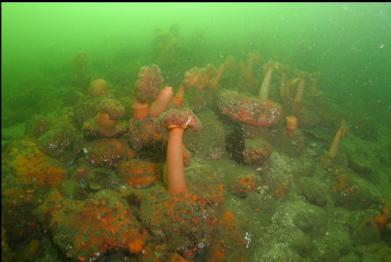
<point x="187" y="222"/>
<point x="244" y="185"/>
<point x="27" y="174"/>
<point x="143" y="132"/>
<point x="138" y="173"/>
<point x="85" y="230"/>
<point x="231" y="242"/>
<point x="105" y="152"/>
<point x="31" y="167"/>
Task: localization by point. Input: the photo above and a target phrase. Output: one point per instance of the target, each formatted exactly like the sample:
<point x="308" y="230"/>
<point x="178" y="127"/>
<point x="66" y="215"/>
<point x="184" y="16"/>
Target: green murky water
<point x="85" y="179"/>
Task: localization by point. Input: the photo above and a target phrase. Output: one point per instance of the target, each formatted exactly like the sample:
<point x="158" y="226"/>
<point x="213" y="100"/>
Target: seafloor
<point x="273" y="171"/>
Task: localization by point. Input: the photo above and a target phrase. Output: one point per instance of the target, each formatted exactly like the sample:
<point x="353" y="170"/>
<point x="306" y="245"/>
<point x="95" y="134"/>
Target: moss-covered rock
<point x="313" y="192"/>
<point x="353" y="193"/>
<point x="61" y="141"/>
<point x="311" y="223"/>
<point x="366" y="232"/>
<point x="256" y="151"/>
<point x="209" y="143"/>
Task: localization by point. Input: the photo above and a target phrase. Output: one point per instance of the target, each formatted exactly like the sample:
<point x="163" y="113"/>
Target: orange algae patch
<point x="242" y="186"/>
<point x="218" y="254"/>
<point x="131" y="154"/>
<point x="248" y="183"/>
<point x="136" y="246"/>
<point x="103" y="120"/>
<point x="220" y="188"/>
<point x="281" y="188"/>
<point x="343" y="184"/>
<point x="382" y="219"/>
<point x="228" y="243"/>
<point x="175" y="257"/>
<point x="228" y="219"/>
<point x="32" y="166"/>
<point x="138" y="173"/>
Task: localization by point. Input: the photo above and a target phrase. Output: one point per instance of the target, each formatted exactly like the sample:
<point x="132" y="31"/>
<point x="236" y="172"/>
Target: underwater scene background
<point x="196" y="132"/>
